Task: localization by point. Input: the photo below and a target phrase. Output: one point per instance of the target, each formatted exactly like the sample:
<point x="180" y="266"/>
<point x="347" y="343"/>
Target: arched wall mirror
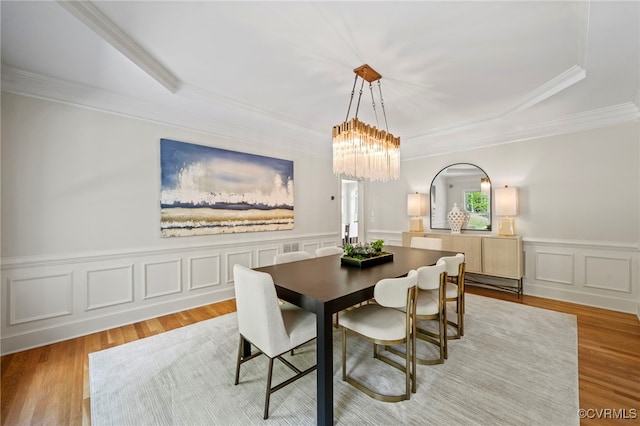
<point x="467" y="186"/>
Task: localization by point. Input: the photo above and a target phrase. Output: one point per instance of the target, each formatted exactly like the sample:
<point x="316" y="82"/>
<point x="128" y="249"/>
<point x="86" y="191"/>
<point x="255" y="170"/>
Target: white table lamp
<point x="506" y="207"/>
<point x="416" y="208"/>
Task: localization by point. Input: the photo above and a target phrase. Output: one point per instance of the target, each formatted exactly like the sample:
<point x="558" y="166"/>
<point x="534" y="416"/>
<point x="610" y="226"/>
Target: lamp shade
<point x="417" y="204"/>
<point x="506" y="201"/>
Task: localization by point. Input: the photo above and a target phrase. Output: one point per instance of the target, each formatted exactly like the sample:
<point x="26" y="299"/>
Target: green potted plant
<point x="365" y="254"/>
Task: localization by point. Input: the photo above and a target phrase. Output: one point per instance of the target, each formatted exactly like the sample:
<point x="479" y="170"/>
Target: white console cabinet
<point x="489" y="255"/>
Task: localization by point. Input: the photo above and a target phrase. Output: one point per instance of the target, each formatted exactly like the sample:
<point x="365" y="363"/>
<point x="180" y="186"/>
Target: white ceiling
<point x="455" y="75"/>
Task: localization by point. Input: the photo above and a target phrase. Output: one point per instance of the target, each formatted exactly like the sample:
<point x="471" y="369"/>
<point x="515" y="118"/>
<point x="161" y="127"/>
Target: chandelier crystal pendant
<point x="363" y="151"/>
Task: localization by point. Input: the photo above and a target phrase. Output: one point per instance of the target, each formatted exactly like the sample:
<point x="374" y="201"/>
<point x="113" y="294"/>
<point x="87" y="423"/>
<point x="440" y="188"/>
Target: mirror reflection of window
<point x="467" y="186"/>
<point x="477" y="204"/>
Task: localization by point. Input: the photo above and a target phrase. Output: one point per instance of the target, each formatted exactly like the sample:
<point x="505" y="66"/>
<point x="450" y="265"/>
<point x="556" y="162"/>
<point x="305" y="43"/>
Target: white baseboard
<point x="596" y="301"/>
<point x="53" y="334"/>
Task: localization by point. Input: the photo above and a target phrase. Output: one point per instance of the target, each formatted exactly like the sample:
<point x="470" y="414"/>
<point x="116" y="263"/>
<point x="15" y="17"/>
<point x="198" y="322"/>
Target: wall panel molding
<point x="39" y="297"/>
<point x="391" y="238"/>
<point x="244" y="258"/>
<point x="109" y="286"/>
<point x="554" y="267"/>
<point x="603" y="274"/>
<point x="265" y="256"/>
<point x="204" y="271"/>
<point x="162" y="278"/>
<point x="330" y="244"/>
<point x="310" y="247"/>
<point x="608" y="273"/>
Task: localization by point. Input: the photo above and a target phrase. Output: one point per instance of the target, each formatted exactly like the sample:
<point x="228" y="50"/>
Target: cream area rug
<point x="515" y="365"/>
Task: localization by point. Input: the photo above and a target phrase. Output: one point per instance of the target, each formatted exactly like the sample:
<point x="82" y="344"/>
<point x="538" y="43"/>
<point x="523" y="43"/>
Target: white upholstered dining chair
<point x="272" y="328"/>
<point x="455" y="290"/>
<point x="426" y="243"/>
<point x="292" y="256"/>
<point x="328" y="251"/>
<point x="430" y="306"/>
<point x="383" y="324"/>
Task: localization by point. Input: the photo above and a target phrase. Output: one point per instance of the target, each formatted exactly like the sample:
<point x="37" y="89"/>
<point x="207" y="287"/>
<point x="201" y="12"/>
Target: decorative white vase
<point x="457" y="219"/>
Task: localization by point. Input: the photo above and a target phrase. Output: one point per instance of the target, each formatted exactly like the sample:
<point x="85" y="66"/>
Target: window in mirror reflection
<point x="466" y="186"/>
<point x="477" y="204"/>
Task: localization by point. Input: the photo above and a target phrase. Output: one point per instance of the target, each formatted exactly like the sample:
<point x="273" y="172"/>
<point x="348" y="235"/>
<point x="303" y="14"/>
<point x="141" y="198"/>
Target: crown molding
<point x="545" y="91"/>
<point x="555" y="85"/>
<point x="255" y="129"/>
<point x="98" y="22"/>
<point x="237" y="125"/>
<point x="563" y="80"/>
<point x="566" y="79"/>
<point x="209" y="97"/>
<point x="499" y="132"/>
<point x="583" y="40"/>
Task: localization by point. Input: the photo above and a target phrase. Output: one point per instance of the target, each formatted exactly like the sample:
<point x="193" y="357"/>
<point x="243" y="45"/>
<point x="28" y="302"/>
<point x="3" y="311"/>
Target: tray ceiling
<point x="455" y="75"/>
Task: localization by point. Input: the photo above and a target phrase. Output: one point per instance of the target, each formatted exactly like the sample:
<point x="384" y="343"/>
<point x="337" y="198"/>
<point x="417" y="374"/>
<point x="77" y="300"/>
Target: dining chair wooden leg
<point x="414" y="360"/>
<point x="344" y="354"/>
<point x="443" y="330"/>
<point x="240" y="347"/>
<point x="268" y="393"/>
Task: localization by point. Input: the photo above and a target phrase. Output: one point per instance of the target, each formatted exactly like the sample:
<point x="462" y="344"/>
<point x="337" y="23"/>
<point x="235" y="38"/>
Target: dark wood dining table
<point x="323" y="286"/>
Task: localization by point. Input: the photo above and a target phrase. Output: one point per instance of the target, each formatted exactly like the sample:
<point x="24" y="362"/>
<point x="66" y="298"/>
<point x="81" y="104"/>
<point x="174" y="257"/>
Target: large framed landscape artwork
<point x="207" y="190"/>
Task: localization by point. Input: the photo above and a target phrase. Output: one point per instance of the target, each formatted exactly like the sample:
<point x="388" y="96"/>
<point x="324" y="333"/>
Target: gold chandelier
<point x="362" y="151"/>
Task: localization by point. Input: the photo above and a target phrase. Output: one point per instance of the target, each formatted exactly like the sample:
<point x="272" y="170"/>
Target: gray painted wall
<point x="81" y="245"/>
<point x="77" y="180"/>
<point x="582" y="186"/>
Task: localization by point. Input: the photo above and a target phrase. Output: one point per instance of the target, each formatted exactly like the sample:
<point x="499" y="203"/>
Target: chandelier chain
<point x="353" y="91"/>
<point x="359" y="99"/>
<point x="384" y="113"/>
<point x="373" y="104"/>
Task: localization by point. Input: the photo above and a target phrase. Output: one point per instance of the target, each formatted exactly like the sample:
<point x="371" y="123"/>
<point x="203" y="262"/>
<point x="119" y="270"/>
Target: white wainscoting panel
<point x="242" y="257"/>
<point x="599" y="274"/>
<point x="390" y="238"/>
<point x="554" y="267"/>
<point x="608" y="273"/>
<point x="39" y="297"/>
<point x="266" y="255"/>
<point x="330" y="244"/>
<point x="204" y="271"/>
<point x="595" y="273"/>
<point x="162" y="278"/>
<point x="48" y="299"/>
<point x="310" y="248"/>
<point x="52" y="298"/>
<point x="109" y="286"/>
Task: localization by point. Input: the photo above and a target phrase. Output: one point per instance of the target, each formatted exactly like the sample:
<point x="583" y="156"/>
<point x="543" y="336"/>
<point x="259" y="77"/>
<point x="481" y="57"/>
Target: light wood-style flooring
<point x="49" y="385"/>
